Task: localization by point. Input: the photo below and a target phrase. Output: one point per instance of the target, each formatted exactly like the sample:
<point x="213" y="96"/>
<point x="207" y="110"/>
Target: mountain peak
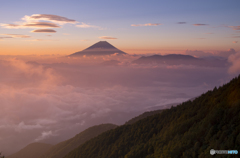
<point x="101" y="45"/>
<point x="99" y="48"/>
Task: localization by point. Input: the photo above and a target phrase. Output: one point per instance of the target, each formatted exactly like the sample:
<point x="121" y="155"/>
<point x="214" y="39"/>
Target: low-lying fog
<point x="51" y="99"/>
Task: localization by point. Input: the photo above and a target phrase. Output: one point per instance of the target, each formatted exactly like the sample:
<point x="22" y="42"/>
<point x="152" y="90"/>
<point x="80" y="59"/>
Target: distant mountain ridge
<point x="98" y="49"/>
<point x="180" y="59"/>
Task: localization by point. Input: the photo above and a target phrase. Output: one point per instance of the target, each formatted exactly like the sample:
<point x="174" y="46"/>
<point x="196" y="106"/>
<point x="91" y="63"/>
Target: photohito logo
<point x="212" y="152"/>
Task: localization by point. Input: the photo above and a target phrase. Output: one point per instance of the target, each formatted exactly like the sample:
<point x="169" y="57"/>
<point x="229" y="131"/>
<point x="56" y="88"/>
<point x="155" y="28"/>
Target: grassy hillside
<point x="190" y="129"/>
<point x="31" y="151"/>
<point x="61" y="149"/>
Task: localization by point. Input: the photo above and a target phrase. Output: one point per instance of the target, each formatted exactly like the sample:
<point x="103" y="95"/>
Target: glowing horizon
<point x="146" y="27"/>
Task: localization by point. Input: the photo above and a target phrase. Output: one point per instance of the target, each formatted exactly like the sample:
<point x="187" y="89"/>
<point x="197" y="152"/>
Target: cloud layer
<point x="53" y="102"/>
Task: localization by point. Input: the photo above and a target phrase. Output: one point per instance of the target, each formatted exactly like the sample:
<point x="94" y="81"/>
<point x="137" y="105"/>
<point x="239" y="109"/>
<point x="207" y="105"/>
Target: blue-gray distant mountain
<point x="180" y="59"/>
<point x="100" y="48"/>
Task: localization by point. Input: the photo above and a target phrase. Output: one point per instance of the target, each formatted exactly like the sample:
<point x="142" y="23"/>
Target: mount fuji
<point x="100" y="48"/>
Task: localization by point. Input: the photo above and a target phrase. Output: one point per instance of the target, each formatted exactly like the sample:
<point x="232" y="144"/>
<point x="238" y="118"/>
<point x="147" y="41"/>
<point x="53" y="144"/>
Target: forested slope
<point x="142" y="116"/>
<point x="190" y="129"/>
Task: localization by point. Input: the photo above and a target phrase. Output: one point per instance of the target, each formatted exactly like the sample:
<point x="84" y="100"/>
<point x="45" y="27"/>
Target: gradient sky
<point x="140" y="27"/>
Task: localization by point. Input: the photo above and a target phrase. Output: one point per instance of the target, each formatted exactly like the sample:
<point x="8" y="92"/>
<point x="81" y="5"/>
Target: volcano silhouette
<point x="100" y="48"/>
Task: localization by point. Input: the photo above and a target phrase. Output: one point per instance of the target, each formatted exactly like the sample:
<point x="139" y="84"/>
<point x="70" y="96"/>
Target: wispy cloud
<point x="16" y="36"/>
<point x="107" y="37"/>
<point x="84" y="25"/>
<point x="31" y="25"/>
<point x="200" y="24"/>
<point x="39" y="21"/>
<point x="49" y="17"/>
<point x="235" y="41"/>
<point x="44" y="135"/>
<point x="148" y="24"/>
<point x="39" y="40"/>
<point x="181" y="22"/>
<point x="44" y="31"/>
<point x="235" y="27"/>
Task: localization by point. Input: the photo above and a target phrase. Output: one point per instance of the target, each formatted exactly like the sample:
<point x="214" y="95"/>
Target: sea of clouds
<point x="52" y="99"/>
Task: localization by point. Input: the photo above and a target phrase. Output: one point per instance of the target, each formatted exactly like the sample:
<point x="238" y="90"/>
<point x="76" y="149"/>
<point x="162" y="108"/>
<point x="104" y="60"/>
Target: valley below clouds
<point x="44" y="101"/>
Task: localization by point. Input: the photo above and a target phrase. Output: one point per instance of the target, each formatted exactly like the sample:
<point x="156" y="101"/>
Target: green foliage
<point x="191" y="129"/>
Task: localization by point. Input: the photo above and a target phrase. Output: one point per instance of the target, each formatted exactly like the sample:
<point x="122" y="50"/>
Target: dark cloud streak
<point x="181" y="22"/>
<point x="200" y="24"/>
<point x="44" y="31"/>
